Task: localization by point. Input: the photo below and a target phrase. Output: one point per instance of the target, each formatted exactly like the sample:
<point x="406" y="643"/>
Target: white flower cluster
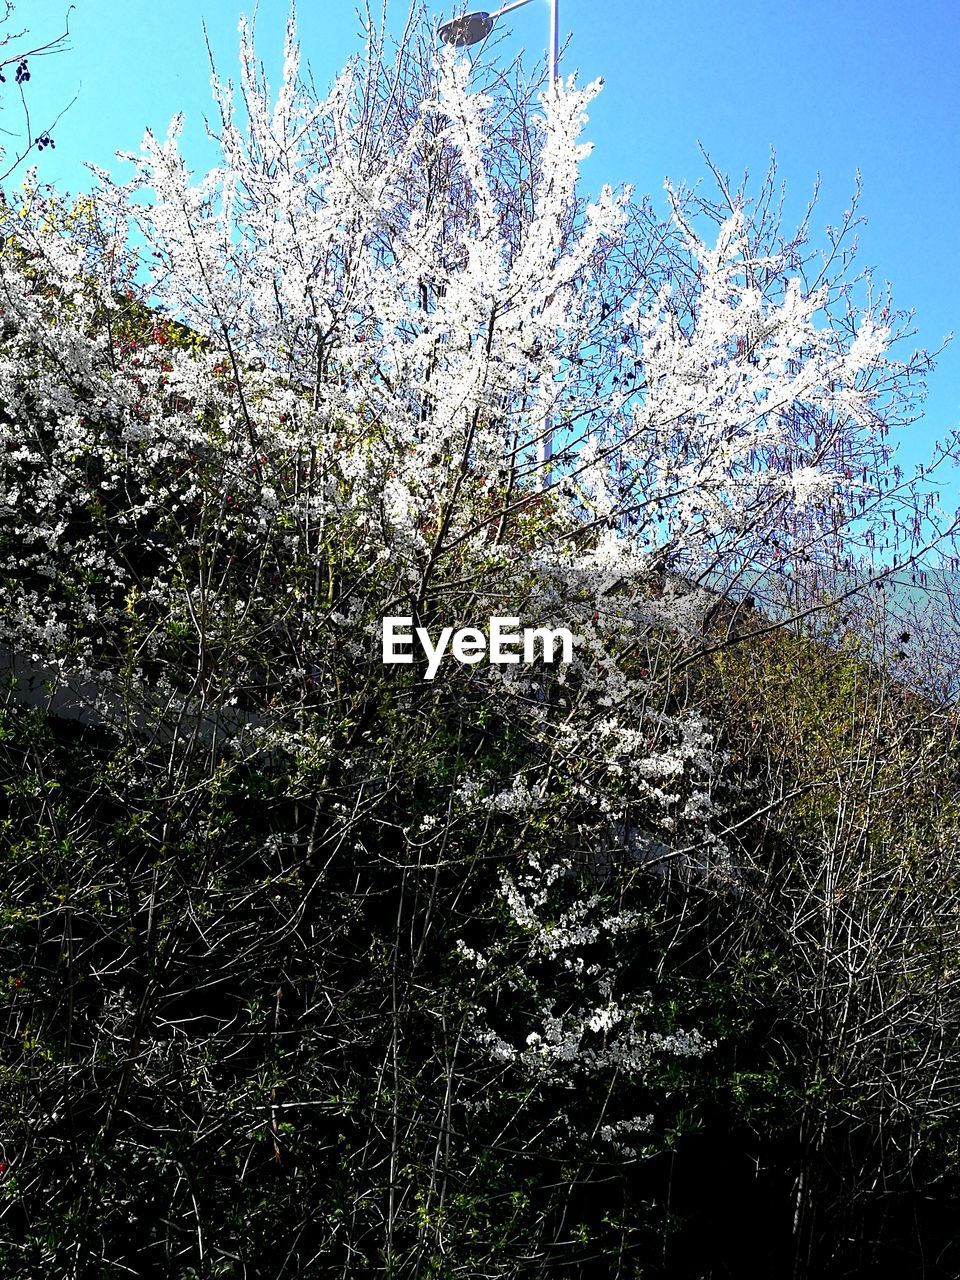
<point x="612" y="1032"/>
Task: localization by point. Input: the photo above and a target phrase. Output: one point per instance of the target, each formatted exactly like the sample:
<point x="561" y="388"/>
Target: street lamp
<point x="471" y="28"/>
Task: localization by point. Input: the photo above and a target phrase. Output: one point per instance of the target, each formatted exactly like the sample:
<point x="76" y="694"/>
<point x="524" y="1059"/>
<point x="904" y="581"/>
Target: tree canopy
<point x="317" y="967"/>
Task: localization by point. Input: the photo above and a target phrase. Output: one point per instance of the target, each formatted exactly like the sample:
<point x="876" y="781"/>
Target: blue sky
<point x="833" y="85"/>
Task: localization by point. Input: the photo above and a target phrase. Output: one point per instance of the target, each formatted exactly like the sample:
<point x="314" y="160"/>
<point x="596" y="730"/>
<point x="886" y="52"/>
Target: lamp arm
<point x="517" y="4"/>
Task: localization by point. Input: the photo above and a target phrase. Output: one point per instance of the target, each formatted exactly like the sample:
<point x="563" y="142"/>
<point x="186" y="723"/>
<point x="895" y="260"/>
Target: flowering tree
<point x="383" y="941"/>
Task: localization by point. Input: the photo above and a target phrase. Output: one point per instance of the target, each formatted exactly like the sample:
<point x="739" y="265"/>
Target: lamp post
<point x="471" y="28"/>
